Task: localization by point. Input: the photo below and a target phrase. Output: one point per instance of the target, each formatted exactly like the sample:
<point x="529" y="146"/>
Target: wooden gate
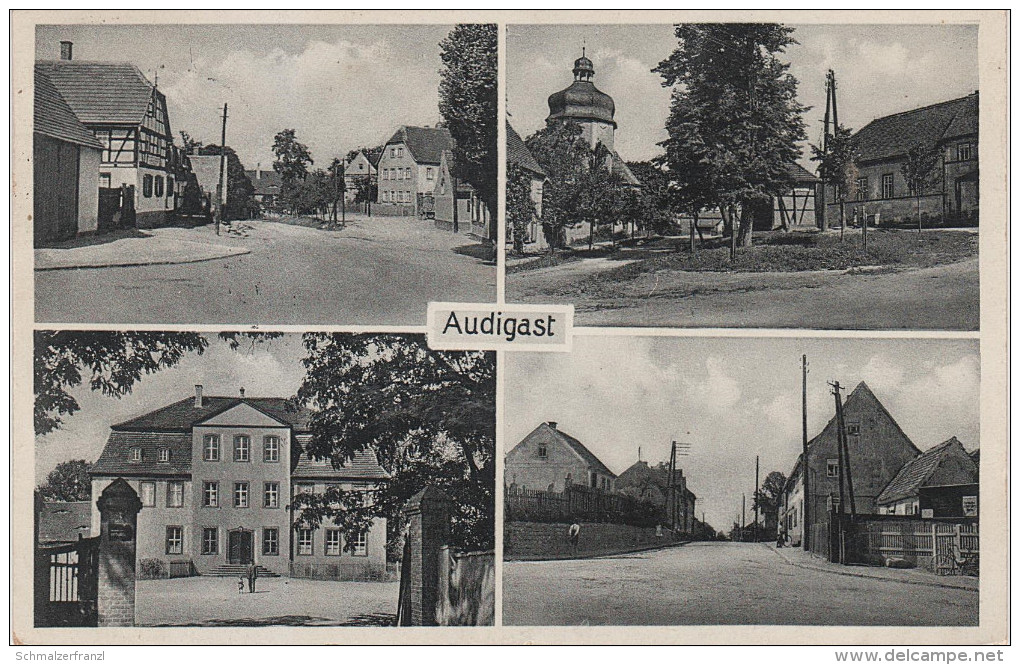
<point x="67" y="584"/>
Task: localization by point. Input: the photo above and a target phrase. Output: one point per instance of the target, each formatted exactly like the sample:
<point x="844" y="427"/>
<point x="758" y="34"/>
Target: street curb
<point x="602" y="555"/>
<point x="154" y="262"/>
<point x="847" y="573"/>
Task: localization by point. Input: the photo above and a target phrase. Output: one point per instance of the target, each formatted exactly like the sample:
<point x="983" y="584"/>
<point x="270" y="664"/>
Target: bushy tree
<point x="837" y="167"/>
<point x="69" y="481"/>
<point x="468" y="101"/>
<point x="599" y="193"/>
<point x="734" y="112"/>
<point x="520" y="209"/>
<point x="428" y="416"/>
<point x="292" y="161"/>
<point x="921" y="171"/>
<point x="560" y="150"/>
<point x="769" y="496"/>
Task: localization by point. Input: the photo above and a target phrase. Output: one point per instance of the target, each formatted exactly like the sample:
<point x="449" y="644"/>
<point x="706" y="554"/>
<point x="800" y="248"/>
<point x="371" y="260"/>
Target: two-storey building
<point x="551" y="460"/>
<point x="217" y="476"/>
<point x="409" y="166"/>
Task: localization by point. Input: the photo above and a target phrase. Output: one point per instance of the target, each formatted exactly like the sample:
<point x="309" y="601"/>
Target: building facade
<point x="878" y="449"/>
<point x="517" y="153"/>
<point x="361" y="169"/>
<point x="409" y="167"/>
<point x="945" y="465"/>
<point x="65" y="169"/>
<point x="471" y="216"/>
<point x="128" y="115"/>
<point x="216" y="477"/>
<point x="548" y="459"/>
<point x="882" y="146"/>
<point x="651" y="484"/>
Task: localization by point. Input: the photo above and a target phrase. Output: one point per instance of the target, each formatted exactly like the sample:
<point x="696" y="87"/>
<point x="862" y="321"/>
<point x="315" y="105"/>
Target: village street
<point x="718" y="583"/>
<point x="943" y="297"/>
<point x="378" y="270"/>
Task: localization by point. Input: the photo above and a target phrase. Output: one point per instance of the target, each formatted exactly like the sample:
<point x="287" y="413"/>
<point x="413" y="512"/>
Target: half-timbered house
<point x="128" y="114"/>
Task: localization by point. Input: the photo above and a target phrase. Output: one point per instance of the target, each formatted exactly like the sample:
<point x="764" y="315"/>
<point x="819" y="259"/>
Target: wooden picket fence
<point x="944" y="547"/>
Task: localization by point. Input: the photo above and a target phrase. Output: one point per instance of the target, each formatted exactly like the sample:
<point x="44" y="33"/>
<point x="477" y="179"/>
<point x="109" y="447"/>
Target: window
<point x="543" y="451"/>
<point x="832" y="468"/>
<point x="304" y="542"/>
<point x="862" y="189"/>
<point x="159" y="185"/>
<point x="963" y="152"/>
<point x="148" y="492"/>
<point x="271" y="449"/>
<point x="242" y="448"/>
<point x="211" y="448"/>
<point x="332" y="542"/>
<point x="393" y="153"/>
<point x="407" y="197"/>
<point x="853" y="429"/>
<point x="210" y="540"/>
<point x="169" y="186"/>
<point x="428" y="173"/>
<point x="174" y="540"/>
<point x="147" y="186"/>
<point x="164" y="455"/>
<point x="887" y="185"/>
<point x="210" y="494"/>
<point x="175" y="494"/>
<point x="104" y="180"/>
<point x="360" y="544"/>
<point x="407" y="174"/>
<point x="270" y="542"/>
<point x="271" y="495"/>
<point x="136" y="454"/>
<point x="240" y="495"/>
<point x="400" y="151"/>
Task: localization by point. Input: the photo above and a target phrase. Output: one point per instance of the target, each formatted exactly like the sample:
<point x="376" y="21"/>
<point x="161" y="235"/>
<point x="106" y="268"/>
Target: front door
<point x="239" y="549"/>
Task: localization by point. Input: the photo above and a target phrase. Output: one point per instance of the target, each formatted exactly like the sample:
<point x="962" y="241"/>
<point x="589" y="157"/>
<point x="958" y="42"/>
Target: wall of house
<point x="561" y="465"/>
<point x="543" y="540"/>
<point x="241" y="420"/>
<point x="56" y="182"/>
<point x="153" y="520"/>
<point x="388" y="186"/>
<point x="88" y="190"/>
<point x="793" y="516"/>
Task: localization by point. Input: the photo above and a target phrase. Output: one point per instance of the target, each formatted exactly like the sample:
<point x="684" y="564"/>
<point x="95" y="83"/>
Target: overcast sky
<point x="340" y="87"/>
<point x="879" y="70"/>
<point x="272" y="369"/>
<point x="732" y="399"/>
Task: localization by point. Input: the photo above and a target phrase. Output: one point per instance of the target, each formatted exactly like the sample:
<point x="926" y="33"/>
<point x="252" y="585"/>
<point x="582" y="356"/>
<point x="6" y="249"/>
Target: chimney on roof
<point x="552" y="423"/>
<point x="66" y="50"/>
<point x="242" y="391"/>
<point x="198" y="395"/>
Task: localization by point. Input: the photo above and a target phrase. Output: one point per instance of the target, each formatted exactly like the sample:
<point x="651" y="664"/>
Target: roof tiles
<point x="100" y="92"/>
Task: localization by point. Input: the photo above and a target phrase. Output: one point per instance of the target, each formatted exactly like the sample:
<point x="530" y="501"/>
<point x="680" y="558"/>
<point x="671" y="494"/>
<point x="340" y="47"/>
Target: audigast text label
<point x="483" y="326"/>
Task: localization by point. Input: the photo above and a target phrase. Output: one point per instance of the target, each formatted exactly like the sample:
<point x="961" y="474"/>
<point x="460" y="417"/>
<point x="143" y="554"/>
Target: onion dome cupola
<point x="582" y="100"/>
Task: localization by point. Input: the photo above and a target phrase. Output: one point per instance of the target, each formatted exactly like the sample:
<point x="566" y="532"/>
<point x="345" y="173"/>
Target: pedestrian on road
<point x="253" y="574"/>
<point x="240" y="585"/>
<point x="574" y="532"/>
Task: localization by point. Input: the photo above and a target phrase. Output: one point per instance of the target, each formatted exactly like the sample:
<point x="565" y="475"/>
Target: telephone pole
<point x="223" y="170"/>
<point x="755" y="498"/>
<point x="805" y="525"/>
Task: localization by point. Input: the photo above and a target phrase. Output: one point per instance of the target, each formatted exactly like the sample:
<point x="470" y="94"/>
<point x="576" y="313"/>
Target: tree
<point x="468" y="103"/>
<point x="837" y="167"/>
<point x="653" y="206"/>
<point x="113" y="361"/>
<point x="428" y="416"/>
<point x="292" y="162"/>
<point x="769" y="497"/>
<point x="921" y="171"/>
<point x="337" y="185"/>
<point x="599" y="193"/>
<point x="734" y="111"/>
<point x="520" y="209"/>
<point x="68" y="482"/>
<point x="240" y="190"/>
<point x="560" y="150"/>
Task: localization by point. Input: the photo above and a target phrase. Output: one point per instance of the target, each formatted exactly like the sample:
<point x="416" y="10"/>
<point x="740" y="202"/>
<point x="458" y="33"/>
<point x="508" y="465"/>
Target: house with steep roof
<point x="552" y="460"/>
<point x="933" y="484"/>
<point x="882" y="146"/>
<point x="409" y="167"/>
<point x="651" y="484"/>
<point x="878" y="449"/>
<point x="216" y="476"/>
<point x="362" y="168"/>
<point x="128" y="114"/>
<point x="65" y="168"/>
<point x="267" y="184"/>
<point x="517" y="153"/>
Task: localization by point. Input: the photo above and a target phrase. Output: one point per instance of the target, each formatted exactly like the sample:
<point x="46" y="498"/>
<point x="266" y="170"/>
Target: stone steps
<point x="238" y="570"/>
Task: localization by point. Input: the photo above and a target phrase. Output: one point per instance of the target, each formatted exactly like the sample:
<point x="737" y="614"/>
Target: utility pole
<point x="223" y="169"/>
<point x="805" y="525"/>
<point x="743" y="518"/>
<point x="756" y="501"/>
<point x="841" y="423"/>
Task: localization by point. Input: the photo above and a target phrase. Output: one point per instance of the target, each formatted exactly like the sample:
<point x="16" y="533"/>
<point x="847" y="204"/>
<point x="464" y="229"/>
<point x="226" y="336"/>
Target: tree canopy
<point x="469" y="104"/>
<point x="734" y="120"/>
<point x="520" y="209"/>
<point x="69" y="481"/>
<point x="292" y="161"/>
<point x="560" y="151"/>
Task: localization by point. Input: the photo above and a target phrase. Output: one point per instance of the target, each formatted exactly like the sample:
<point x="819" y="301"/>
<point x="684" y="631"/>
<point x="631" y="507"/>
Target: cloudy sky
<point x="339" y="87"/>
<point x="732" y="399"/>
<point x="879" y="70"/>
<point x="272" y="369"/>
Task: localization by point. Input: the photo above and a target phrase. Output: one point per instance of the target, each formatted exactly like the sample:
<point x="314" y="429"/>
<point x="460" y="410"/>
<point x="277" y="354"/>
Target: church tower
<point x="586" y="105"/>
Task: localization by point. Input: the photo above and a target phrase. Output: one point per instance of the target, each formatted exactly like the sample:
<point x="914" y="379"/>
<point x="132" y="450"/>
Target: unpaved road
<point x="945" y="297"/>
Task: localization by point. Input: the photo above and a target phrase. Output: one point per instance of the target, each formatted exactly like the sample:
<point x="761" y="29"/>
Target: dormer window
<point x="164" y="455"/>
<point x="136" y="454"/>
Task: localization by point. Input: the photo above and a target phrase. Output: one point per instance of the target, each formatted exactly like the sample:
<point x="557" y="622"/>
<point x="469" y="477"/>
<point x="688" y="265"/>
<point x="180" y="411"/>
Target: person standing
<point x="574" y="533"/>
<point x="253" y="574"/>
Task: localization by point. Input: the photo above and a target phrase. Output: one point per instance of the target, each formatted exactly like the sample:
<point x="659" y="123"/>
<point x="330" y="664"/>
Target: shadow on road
<point x="481" y="251"/>
<point x="97" y="239"/>
<point x="291" y="620"/>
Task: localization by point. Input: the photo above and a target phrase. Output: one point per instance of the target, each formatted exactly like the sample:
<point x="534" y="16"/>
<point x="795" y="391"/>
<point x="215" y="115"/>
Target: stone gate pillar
<point x="118" y="517"/>
<point x="428" y="515"/>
